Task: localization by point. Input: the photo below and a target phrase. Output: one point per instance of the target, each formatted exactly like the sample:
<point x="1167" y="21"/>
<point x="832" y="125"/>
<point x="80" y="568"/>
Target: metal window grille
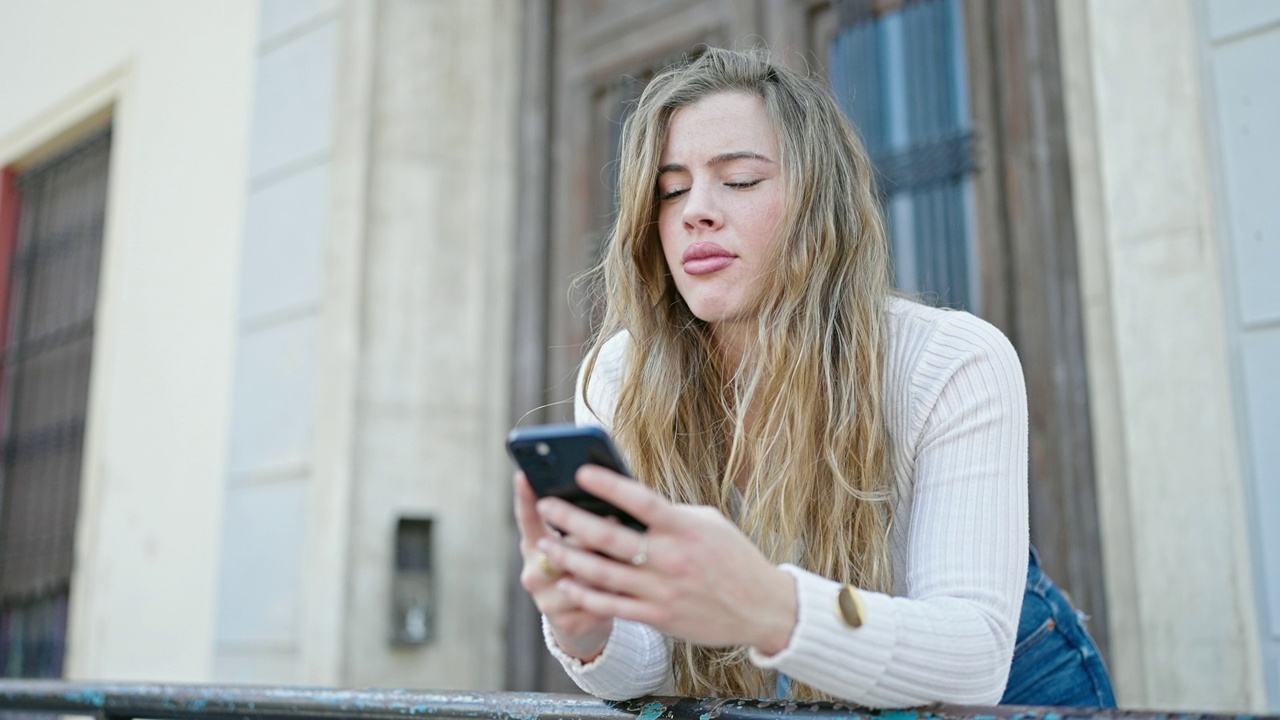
<point x="44" y="388"/>
<point x="901" y="77"/>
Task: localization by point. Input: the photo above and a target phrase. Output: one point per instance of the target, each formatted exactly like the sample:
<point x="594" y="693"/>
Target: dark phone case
<point x="568" y="448"/>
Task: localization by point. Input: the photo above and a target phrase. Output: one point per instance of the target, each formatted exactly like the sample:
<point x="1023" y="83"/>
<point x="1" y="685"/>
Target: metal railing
<point x="216" y="702"/>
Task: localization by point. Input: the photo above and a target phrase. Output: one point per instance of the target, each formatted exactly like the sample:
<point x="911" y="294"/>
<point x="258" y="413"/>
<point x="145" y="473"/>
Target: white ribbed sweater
<point x="957" y="413"/>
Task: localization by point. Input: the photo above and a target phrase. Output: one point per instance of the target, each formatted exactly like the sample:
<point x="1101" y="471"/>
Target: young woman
<point x="834" y="479"/>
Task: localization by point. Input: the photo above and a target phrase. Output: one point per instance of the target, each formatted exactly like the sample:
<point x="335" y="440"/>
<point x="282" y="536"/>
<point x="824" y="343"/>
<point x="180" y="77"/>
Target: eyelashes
<point x="739" y="185"/>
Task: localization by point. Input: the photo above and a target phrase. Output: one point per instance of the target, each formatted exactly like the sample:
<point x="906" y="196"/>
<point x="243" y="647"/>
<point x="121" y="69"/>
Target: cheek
<point x="764" y="220"/>
<point x="774" y="224"/>
<point x="773" y="213"/>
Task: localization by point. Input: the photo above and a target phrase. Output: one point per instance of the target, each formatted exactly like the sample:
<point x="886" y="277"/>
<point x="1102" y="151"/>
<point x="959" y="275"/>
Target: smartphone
<point x="550" y="455"/>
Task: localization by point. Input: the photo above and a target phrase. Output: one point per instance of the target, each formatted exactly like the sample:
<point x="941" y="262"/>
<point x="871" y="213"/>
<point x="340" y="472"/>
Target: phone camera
<point x="538" y="459"/>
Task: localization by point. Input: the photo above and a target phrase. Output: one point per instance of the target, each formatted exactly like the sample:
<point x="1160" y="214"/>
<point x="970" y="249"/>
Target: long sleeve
<point x="950" y="639"/>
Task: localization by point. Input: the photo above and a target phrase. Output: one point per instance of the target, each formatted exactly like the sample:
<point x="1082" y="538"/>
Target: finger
<point x="534" y="578"/>
<point x="637" y="500"/>
<point x="559" y="608"/>
<point x="591" y="531"/>
<point x="599" y="572"/>
<point x="551" y="602"/>
<point x="607" y="604"/>
<point x="545" y="594"/>
<point x="528" y="520"/>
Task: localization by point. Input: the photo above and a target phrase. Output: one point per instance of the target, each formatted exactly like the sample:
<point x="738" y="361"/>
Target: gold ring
<point x="642" y="554"/>
<point x="545" y="564"/>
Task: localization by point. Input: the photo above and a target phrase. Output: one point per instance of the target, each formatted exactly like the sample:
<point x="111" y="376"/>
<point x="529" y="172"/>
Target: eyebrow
<point x="720" y="159"/>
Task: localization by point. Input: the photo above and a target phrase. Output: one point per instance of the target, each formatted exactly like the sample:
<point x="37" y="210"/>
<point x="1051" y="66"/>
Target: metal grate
<point x="900" y="76"/>
<point x="44" y="388"/>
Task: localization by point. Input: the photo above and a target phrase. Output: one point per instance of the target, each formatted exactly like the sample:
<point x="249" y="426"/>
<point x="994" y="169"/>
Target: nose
<point x="700" y="211"/>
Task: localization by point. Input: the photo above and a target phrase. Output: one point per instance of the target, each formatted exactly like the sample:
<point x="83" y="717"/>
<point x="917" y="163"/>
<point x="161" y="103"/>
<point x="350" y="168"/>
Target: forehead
<point x="717" y="124"/>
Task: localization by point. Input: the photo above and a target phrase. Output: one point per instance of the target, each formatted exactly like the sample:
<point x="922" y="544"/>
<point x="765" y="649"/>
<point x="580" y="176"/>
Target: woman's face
<point x="720" y="198"/>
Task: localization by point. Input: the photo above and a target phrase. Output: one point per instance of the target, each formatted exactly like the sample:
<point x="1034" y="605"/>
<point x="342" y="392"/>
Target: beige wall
<point x="404" y="170"/>
<point x="175" y="78"/>
<point x="1178" y="570"/>
<point x="396" y="232"/>
<point x="1240" y="48"/>
<point x="432" y="380"/>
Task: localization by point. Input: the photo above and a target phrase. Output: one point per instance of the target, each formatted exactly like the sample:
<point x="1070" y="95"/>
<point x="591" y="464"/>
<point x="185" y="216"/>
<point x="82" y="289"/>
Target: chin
<point x="713" y="307"/>
<point x="713" y="314"/>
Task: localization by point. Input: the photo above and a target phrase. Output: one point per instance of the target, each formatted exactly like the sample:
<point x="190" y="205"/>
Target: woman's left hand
<point x="693" y="575"/>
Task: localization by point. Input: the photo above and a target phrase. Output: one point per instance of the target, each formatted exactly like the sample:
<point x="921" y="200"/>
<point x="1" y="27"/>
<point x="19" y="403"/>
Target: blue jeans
<point x="1055" y="662"/>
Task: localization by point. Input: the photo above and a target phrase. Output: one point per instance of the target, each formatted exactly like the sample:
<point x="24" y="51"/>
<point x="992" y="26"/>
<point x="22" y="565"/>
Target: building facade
<point x="337" y="243"/>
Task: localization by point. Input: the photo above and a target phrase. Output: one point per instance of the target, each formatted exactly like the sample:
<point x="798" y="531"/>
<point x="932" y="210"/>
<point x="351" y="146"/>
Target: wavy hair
<point x="797" y="426"/>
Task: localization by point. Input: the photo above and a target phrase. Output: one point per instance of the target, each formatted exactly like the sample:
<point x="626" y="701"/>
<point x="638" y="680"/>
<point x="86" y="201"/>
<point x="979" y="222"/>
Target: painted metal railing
<point x="214" y="702"/>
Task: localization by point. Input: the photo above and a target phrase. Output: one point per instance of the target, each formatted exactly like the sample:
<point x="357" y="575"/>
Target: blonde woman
<point x="834" y="479"/>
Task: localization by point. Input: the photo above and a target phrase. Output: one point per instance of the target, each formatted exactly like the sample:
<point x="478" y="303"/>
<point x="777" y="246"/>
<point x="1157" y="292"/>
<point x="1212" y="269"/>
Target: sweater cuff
<point x="571" y="664"/>
<point x="629" y="666"/>
<point x="824" y="651"/>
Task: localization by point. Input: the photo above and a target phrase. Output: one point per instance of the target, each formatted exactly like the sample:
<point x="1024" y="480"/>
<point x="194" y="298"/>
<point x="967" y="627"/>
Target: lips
<point x="703" y="258"/>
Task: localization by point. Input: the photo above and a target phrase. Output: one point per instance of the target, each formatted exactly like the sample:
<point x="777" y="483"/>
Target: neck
<point x="731" y="342"/>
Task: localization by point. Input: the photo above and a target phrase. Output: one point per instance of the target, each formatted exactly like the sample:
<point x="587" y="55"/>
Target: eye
<point x="672" y="193"/>
<point x="744" y="183"/>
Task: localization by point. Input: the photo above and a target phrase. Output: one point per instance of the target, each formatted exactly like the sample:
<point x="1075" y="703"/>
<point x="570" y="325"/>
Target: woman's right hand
<point x="579" y="633"/>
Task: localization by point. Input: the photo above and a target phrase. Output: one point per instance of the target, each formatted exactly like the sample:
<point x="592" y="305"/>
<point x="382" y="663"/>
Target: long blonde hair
<point x="813" y="459"/>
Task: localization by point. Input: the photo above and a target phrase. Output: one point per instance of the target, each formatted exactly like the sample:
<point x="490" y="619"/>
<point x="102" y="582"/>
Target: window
<point x="50" y="294"/>
<point x="898" y="70"/>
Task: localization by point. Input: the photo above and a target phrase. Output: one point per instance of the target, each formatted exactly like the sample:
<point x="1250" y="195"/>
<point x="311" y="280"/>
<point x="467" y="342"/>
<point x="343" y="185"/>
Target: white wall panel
<point x="283" y="16"/>
<point x="284" y="246"/>
<point x="1229" y="17"/>
<point x="1260" y="356"/>
<point x="267" y="592"/>
<point x="293" y="102"/>
<point x="1242" y="55"/>
<point x="1273" y="663"/>
<point x="1248" y="104"/>
<point x="264" y="537"/>
<point x="274" y="400"/>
